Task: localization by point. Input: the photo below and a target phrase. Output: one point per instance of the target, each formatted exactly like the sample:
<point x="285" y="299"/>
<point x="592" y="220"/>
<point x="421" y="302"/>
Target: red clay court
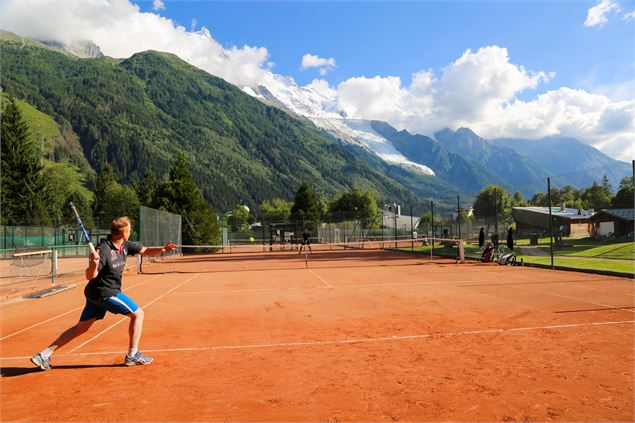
<point x="356" y="336"/>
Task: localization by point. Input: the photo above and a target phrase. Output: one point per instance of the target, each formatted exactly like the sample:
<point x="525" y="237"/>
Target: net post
<point x="53" y="266"/>
<point x="139" y="264"/>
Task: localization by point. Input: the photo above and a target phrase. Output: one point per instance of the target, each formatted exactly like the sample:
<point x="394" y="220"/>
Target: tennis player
<point x="103" y="293"/>
<point x="306" y="240"/>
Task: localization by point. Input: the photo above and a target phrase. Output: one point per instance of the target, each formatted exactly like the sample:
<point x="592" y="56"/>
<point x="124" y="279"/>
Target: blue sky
<point x="505" y="69"/>
<point x="400" y="38"/>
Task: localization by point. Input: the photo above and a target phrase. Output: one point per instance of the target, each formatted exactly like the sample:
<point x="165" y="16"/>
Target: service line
<point x="354" y="340"/>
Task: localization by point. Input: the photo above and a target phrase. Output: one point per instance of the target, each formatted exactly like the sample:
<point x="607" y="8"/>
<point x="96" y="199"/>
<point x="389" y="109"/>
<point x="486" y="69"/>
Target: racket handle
<point x="81" y="226"/>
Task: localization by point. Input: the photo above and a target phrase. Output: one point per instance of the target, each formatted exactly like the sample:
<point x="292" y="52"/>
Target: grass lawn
<point x="587" y="247"/>
<point x="589" y="256"/>
<point x="581" y="263"/>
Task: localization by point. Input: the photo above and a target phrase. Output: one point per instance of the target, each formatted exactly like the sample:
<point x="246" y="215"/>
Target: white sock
<point x="46" y="353"/>
<point x="132" y="352"/>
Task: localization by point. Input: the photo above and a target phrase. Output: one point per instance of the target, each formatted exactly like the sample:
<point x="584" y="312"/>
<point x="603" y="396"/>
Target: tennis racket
<point x="81" y="226"/>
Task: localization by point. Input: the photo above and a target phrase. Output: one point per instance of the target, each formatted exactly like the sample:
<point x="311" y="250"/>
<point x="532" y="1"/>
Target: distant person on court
<point x="561" y="232"/>
<point x="481" y="238"/>
<point x="103" y="293"/>
<point x="510" y="238"/>
<point x="306" y="240"/>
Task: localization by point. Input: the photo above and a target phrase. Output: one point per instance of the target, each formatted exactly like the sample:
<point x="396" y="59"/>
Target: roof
<point x="566" y="213"/>
<point x="539" y="216"/>
<point x="624" y="214"/>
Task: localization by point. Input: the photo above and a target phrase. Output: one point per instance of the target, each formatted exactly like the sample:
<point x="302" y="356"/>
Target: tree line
<point x="138" y="113"/>
<point x="494" y="200"/>
<point x="37" y="192"/>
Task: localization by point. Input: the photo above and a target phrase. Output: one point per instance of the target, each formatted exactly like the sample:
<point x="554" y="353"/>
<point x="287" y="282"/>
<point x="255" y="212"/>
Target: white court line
<point x="124" y="318"/>
<point x="65" y="313"/>
<point x="351" y="341"/>
<point x="320" y="278"/>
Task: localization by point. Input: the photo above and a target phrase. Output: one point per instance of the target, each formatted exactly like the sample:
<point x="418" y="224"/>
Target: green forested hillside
<point x="138" y="113"/>
<point x="56" y="143"/>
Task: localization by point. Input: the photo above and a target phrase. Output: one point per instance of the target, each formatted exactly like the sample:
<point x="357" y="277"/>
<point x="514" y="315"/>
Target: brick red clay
<point x="377" y="337"/>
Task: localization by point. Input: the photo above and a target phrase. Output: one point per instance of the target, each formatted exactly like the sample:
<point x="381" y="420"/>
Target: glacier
<point x="321" y="109"/>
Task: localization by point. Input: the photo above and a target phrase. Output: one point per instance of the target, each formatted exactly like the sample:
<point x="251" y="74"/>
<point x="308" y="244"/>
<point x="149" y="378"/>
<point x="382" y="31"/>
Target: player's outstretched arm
<point x="155" y="251"/>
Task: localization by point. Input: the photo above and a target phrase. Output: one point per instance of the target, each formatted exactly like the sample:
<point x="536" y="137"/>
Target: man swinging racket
<point x="103" y="293"/>
<point x="305" y="241"/>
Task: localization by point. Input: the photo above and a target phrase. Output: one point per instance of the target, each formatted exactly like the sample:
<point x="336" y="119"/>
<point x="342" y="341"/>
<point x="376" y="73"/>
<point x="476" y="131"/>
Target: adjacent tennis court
<point x="333" y="336"/>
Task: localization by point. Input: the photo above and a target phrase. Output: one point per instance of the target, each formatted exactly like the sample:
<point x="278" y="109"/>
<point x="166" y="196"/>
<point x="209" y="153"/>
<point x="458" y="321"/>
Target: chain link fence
<point x="157" y="227"/>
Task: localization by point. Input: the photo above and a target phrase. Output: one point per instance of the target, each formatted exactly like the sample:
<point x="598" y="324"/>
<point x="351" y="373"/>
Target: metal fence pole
<point x="432" y="223"/>
<point x="496" y="212"/>
<point x="550" y="220"/>
<point x="263" y="234"/>
<point x="412" y="230"/>
<point x="458" y="215"/>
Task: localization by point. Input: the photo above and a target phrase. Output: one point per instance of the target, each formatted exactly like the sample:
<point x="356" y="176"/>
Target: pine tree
<point x="106" y="180"/>
<point x="306" y="208"/>
<point x="179" y="194"/>
<point x="607" y="185"/>
<point x="23" y="186"/>
<point x="146" y="188"/>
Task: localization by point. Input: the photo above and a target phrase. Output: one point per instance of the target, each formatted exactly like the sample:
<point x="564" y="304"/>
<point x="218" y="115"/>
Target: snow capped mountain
<point x="314" y="100"/>
<point x="318" y="104"/>
<point x="361" y="133"/>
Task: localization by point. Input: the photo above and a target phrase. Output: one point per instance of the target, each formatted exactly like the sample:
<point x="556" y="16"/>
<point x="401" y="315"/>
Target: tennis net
<point x="251" y="256"/>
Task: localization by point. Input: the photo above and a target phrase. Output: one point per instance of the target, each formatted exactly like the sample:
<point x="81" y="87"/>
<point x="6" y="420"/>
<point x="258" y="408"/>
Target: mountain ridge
<point x="568" y="160"/>
<point x="518" y="170"/>
<point x="137" y="113"/>
<point x="450" y="167"/>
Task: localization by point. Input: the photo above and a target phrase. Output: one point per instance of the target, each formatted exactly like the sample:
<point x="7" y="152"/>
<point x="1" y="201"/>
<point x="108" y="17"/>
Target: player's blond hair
<point x="118" y="227"/>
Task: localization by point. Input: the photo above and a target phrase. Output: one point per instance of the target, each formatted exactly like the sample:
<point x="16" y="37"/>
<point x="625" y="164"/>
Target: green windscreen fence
<point x="157" y="227"/>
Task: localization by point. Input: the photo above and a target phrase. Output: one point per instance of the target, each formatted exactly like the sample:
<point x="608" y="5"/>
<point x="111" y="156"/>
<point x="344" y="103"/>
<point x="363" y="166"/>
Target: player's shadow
<point x="19" y="371"/>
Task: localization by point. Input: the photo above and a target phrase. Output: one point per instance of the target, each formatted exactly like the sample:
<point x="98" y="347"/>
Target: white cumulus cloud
<point x="479" y="90"/>
<point x="313" y="61"/>
<point x="120" y="29"/>
<point x="596" y="16"/>
<point x="158" y="5"/>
